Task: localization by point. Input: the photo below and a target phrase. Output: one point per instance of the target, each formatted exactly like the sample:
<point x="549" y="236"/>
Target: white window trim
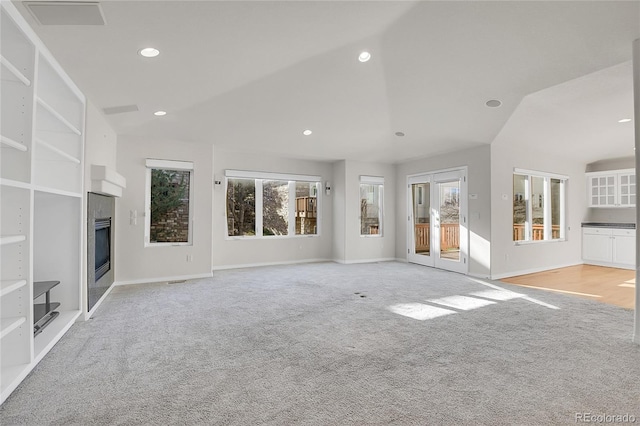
<point x="243" y="174"/>
<point x="167" y="165"/>
<point x="373" y="180"/>
<point x="259" y="177"/>
<point x="547" y="206"/>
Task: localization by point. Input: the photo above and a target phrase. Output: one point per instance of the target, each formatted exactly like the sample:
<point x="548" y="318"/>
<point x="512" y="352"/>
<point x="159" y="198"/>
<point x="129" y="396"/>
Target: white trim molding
<point x="246" y="174"/>
<point x="161" y="280"/>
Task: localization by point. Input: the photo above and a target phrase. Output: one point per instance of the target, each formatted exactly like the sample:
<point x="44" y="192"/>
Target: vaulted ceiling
<point x="252" y="75"/>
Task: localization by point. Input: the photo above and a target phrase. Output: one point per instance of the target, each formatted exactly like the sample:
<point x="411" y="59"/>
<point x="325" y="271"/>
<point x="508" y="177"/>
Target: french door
<point x="437" y="233"/>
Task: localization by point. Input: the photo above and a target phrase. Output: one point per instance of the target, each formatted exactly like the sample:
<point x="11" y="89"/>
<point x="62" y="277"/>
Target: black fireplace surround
<point x="100" y="257"/>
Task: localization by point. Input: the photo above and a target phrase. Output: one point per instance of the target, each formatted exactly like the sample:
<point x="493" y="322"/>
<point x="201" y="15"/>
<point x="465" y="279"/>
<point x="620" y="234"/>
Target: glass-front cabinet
<point x="613" y="188"/>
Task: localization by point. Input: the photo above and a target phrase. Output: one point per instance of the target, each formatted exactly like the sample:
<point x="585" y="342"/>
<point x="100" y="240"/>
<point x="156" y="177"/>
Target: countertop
<point x="608" y="225"/>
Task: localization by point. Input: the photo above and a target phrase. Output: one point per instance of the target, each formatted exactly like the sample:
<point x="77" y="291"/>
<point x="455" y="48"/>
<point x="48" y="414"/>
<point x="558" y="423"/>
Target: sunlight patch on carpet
<point x="464" y="303"/>
<point x="419" y="311"/>
<point x="497" y="294"/>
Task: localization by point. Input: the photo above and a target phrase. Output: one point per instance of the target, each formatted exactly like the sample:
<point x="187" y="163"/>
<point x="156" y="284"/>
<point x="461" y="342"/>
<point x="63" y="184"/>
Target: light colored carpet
<point x="296" y="345"/>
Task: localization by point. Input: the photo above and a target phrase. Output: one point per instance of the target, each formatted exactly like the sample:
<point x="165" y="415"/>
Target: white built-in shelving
<point x="7" y="286"/>
<point x="62" y="154"/>
<point x="8" y="324"/>
<point x="10" y="143"/>
<point x="11" y="239"/>
<point x="41" y="190"/>
<point x="13" y="72"/>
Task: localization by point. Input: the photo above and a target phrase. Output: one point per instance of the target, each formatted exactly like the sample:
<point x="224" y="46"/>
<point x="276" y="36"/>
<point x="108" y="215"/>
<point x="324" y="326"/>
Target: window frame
<point x="372" y="180"/>
<point x="155" y="164"/>
<point x="547" y="206"/>
<point x="259" y="178"/>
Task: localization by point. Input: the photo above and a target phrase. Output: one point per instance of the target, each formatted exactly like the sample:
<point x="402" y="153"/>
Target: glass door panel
<point x="449" y="209"/>
<point x="421" y="218"/>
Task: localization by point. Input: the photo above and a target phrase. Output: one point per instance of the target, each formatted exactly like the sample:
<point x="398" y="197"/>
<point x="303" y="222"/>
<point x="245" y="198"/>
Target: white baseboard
<point x="351" y="262"/>
<point x="532" y="270"/>
<point x="480" y="276"/>
<point x="163" y="279"/>
<point x="610" y="265"/>
<point x="256" y="265"/>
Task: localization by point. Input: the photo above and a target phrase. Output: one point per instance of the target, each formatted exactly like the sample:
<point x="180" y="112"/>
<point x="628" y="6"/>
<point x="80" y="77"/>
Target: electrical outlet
<point x="189" y="258"/>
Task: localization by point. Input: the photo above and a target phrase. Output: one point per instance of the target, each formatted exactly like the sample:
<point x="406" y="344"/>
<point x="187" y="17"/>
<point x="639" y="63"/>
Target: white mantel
<point x="107" y="181"/>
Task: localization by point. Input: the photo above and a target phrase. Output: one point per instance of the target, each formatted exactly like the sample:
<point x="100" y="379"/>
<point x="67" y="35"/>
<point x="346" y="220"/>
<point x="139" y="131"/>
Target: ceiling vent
<point x="120" y="109"/>
<point x="66" y="12"/>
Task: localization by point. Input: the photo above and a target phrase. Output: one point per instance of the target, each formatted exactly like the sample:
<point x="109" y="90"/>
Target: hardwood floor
<point x="608" y="285"/>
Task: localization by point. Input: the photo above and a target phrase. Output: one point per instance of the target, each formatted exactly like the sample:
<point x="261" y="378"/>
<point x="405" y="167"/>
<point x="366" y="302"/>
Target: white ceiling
<point x="251" y="76"/>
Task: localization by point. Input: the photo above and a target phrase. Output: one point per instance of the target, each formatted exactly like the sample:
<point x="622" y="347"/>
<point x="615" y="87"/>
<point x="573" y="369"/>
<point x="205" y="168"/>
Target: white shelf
<point x="12" y="144"/>
<point x="15" y="71"/>
<point x="59" y="117"/>
<point x="48" y="190"/>
<point x="7" y="286"/>
<point x="11" y="239"/>
<point x="7" y="325"/>
<point x="14" y="183"/>
<point x="58" y="151"/>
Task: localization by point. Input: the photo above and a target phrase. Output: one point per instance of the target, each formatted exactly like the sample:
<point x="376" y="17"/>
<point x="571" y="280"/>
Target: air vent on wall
<point x="120" y="109"/>
<point x="66" y="12"/>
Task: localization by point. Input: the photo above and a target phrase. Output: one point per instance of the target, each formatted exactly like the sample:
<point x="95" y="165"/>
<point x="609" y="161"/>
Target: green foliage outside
<point x="169" y="192"/>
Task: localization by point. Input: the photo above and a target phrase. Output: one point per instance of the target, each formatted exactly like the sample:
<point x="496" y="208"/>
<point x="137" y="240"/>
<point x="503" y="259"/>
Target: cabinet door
<point x="597" y="246"/>
<point x="602" y="190"/>
<point x="627" y="189"/>
<point x="624" y="247"/>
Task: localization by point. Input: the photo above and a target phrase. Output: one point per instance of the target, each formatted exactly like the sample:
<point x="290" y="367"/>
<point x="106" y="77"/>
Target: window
<point x="371" y="188"/>
<point x="271" y="204"/>
<point x="168" y="208"/>
<point x="538" y="206"/>
<point x="241" y="207"/>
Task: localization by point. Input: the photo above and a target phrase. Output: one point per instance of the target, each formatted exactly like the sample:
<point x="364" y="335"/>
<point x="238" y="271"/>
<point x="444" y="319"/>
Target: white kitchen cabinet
<point x="614" y="188"/>
<point x="608" y="246"/>
<point x="624" y="246"/>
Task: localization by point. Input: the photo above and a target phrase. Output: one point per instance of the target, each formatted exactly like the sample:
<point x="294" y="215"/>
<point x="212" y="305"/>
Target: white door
<point x="438" y="233"/>
<point x="419" y="235"/>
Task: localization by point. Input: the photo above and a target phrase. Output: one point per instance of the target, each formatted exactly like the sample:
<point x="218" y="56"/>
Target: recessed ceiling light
<point x="624" y="120"/>
<point x="364" y="56"/>
<point x="149" y="52"/>
<point x="160" y="113"/>
<point x="307" y="132"/>
<point x="399" y="134"/>
<point x="493" y="103"/>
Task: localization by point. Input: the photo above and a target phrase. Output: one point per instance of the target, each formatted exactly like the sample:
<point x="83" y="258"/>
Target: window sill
<point x="269" y="237"/>
<point x="151" y="245"/>
<point x="371" y="236"/>
<point x="527" y="243"/>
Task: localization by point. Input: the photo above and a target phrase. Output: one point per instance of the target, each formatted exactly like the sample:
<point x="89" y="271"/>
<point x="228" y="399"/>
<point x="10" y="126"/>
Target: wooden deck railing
<point x="537" y="231"/>
<point x="306" y="207"/>
<point x="449" y="236"/>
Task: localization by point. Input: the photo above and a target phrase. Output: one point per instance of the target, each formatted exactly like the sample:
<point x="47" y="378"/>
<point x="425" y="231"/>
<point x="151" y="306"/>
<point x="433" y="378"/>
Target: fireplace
<point x="100" y="245"/>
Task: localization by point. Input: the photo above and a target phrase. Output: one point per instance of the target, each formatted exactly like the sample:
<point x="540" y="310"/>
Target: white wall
<point x="101" y="142"/>
<point x="368" y="248"/>
<point x="137" y="263"/>
<point x="338" y="187"/>
<point x="230" y="252"/>
<point x="478" y="162"/>
<point x="509" y="259"/>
